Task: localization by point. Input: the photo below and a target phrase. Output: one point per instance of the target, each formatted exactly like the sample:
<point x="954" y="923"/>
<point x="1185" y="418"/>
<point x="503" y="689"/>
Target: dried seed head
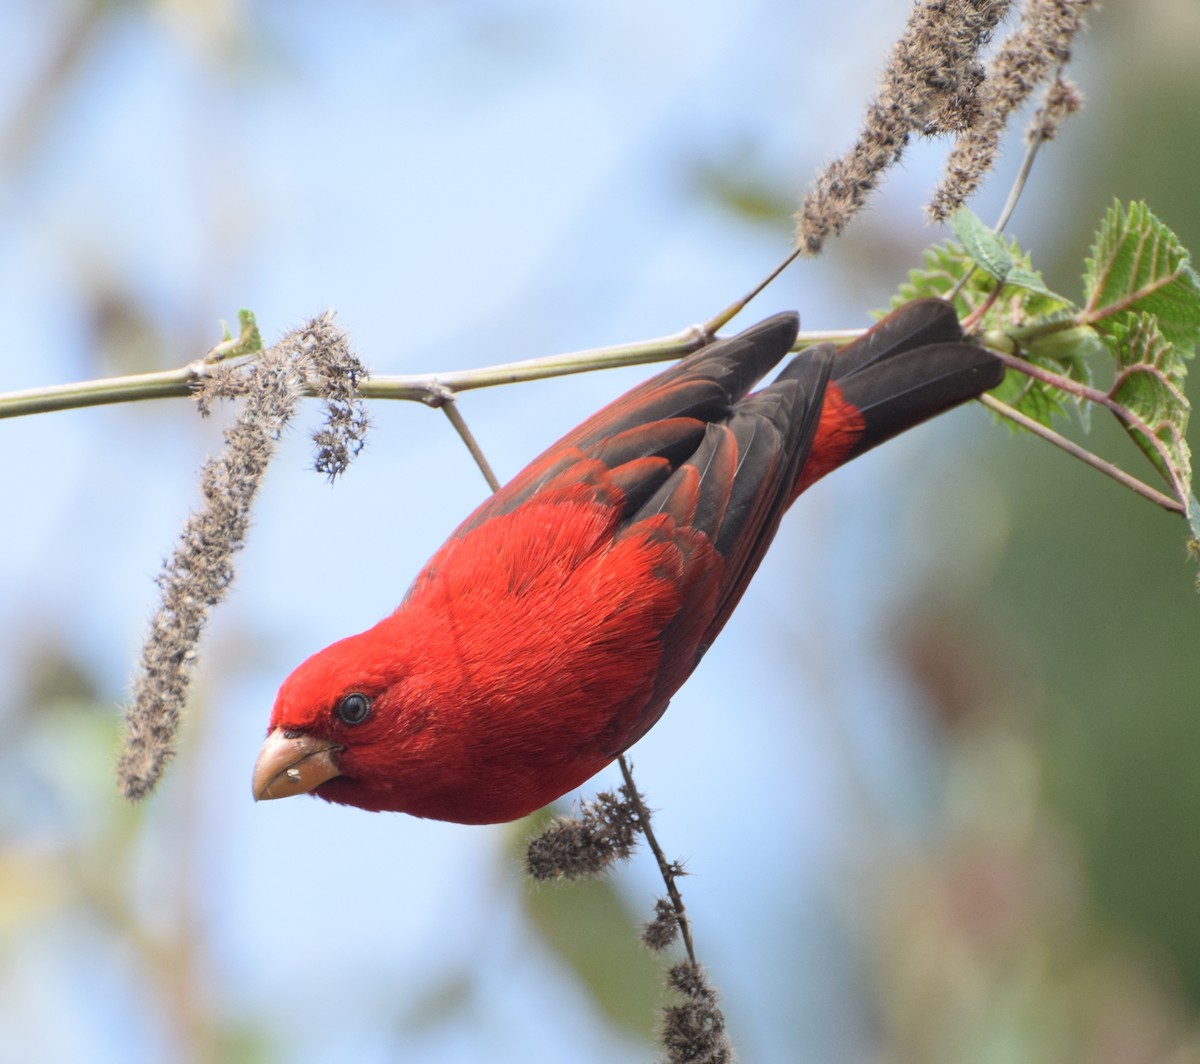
<point x="604" y="832"/>
<point x="200" y="570"/>
<point x="336" y="373"/>
<point x="1038" y="46"/>
<point x="694" y="1030"/>
<point x="929" y="82"/>
<point x="661" y="931"/>
<point x="1062" y="100"/>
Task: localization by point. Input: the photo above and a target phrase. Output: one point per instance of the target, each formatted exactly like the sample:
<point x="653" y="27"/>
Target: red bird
<point x="551" y="630"/>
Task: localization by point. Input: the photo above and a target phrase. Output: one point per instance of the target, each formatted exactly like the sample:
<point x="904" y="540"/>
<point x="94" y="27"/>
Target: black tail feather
<point x="902" y="388"/>
<point x="916" y="324"/>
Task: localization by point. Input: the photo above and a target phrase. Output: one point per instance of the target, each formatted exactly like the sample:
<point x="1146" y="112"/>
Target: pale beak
<point x="293" y="763"/>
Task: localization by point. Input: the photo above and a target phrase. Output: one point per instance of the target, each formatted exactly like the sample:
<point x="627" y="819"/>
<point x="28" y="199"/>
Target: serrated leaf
<point x="1065" y="352"/>
<point x="1067" y="346"/>
<point x="1033" y="398"/>
<point x="1149" y="384"/>
<point x="987" y="247"/>
<point x="946" y="266"/>
<point x="996" y="255"/>
<point x="1193" y="518"/>
<point x="1143" y="312"/>
<point x="1020" y="277"/>
<point x="1138" y="265"/>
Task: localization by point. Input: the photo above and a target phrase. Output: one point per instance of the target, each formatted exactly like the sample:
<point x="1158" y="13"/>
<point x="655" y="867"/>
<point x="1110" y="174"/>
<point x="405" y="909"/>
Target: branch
<point x="172" y="383"/>
<point x="1086" y="456"/>
<point x="431" y="389"/>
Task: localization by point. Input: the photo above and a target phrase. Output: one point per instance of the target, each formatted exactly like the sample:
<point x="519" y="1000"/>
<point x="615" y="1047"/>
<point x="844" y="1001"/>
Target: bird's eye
<point x="353" y="709"/>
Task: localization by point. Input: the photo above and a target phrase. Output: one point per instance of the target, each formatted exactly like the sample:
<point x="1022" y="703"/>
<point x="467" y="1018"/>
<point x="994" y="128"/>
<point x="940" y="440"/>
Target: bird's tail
<point x="910" y="367"/>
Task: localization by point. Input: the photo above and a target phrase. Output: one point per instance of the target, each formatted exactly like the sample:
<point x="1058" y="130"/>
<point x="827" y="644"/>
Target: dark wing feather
<point x="774" y="430"/>
<point x="726" y="501"/>
<point x="702" y="386"/>
<point x="665" y="417"/>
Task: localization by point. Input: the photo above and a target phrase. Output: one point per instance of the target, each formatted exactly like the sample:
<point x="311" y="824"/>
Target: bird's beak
<point x="293" y="763"/>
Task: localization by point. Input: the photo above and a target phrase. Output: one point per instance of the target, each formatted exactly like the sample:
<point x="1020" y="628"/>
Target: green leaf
<point x="987" y="247"/>
<point x="1138" y="265"/>
<point x="250" y="339"/>
<point x="995" y="255"/>
<point x="1142" y="317"/>
<point x="1193" y="518"/>
<point x="1020" y="277"/>
<point x="1033" y="398"/>
<point x="946" y="265"/>
<point x="1070" y="353"/>
<point x="740" y="184"/>
<point x="1149" y="384"/>
<point x="247" y="342"/>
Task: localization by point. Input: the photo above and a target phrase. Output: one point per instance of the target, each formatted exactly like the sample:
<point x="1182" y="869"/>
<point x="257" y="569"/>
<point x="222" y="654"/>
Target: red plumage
<point x="549" y="632"/>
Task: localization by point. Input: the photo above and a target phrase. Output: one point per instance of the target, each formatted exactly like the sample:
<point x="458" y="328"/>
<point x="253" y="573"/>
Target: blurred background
<point x="935" y="784"/>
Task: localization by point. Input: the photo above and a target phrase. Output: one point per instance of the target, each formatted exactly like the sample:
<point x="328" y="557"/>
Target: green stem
<point x="431" y="389"/>
<point x="428" y="388"/>
<point x="165" y="384"/>
<point x="1020" y="334"/>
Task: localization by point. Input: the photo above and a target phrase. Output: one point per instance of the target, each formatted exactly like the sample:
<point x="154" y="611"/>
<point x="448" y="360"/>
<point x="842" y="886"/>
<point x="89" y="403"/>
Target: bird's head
<point x="341" y="724"/>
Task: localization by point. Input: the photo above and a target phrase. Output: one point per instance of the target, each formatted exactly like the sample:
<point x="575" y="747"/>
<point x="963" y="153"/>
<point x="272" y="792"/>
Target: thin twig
<point x="977" y="315"/>
<point x="1073" y="449"/>
<point x="1018" y="185"/>
<point x="450" y="409"/>
<point x="666" y="868"/>
<point x="1094" y="395"/>
<point x="718" y="321"/>
<point x="1061" y="99"/>
<point x="1010" y="205"/>
<point x="1073" y="387"/>
<point x="953" y="294"/>
<point x="635" y="354"/>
